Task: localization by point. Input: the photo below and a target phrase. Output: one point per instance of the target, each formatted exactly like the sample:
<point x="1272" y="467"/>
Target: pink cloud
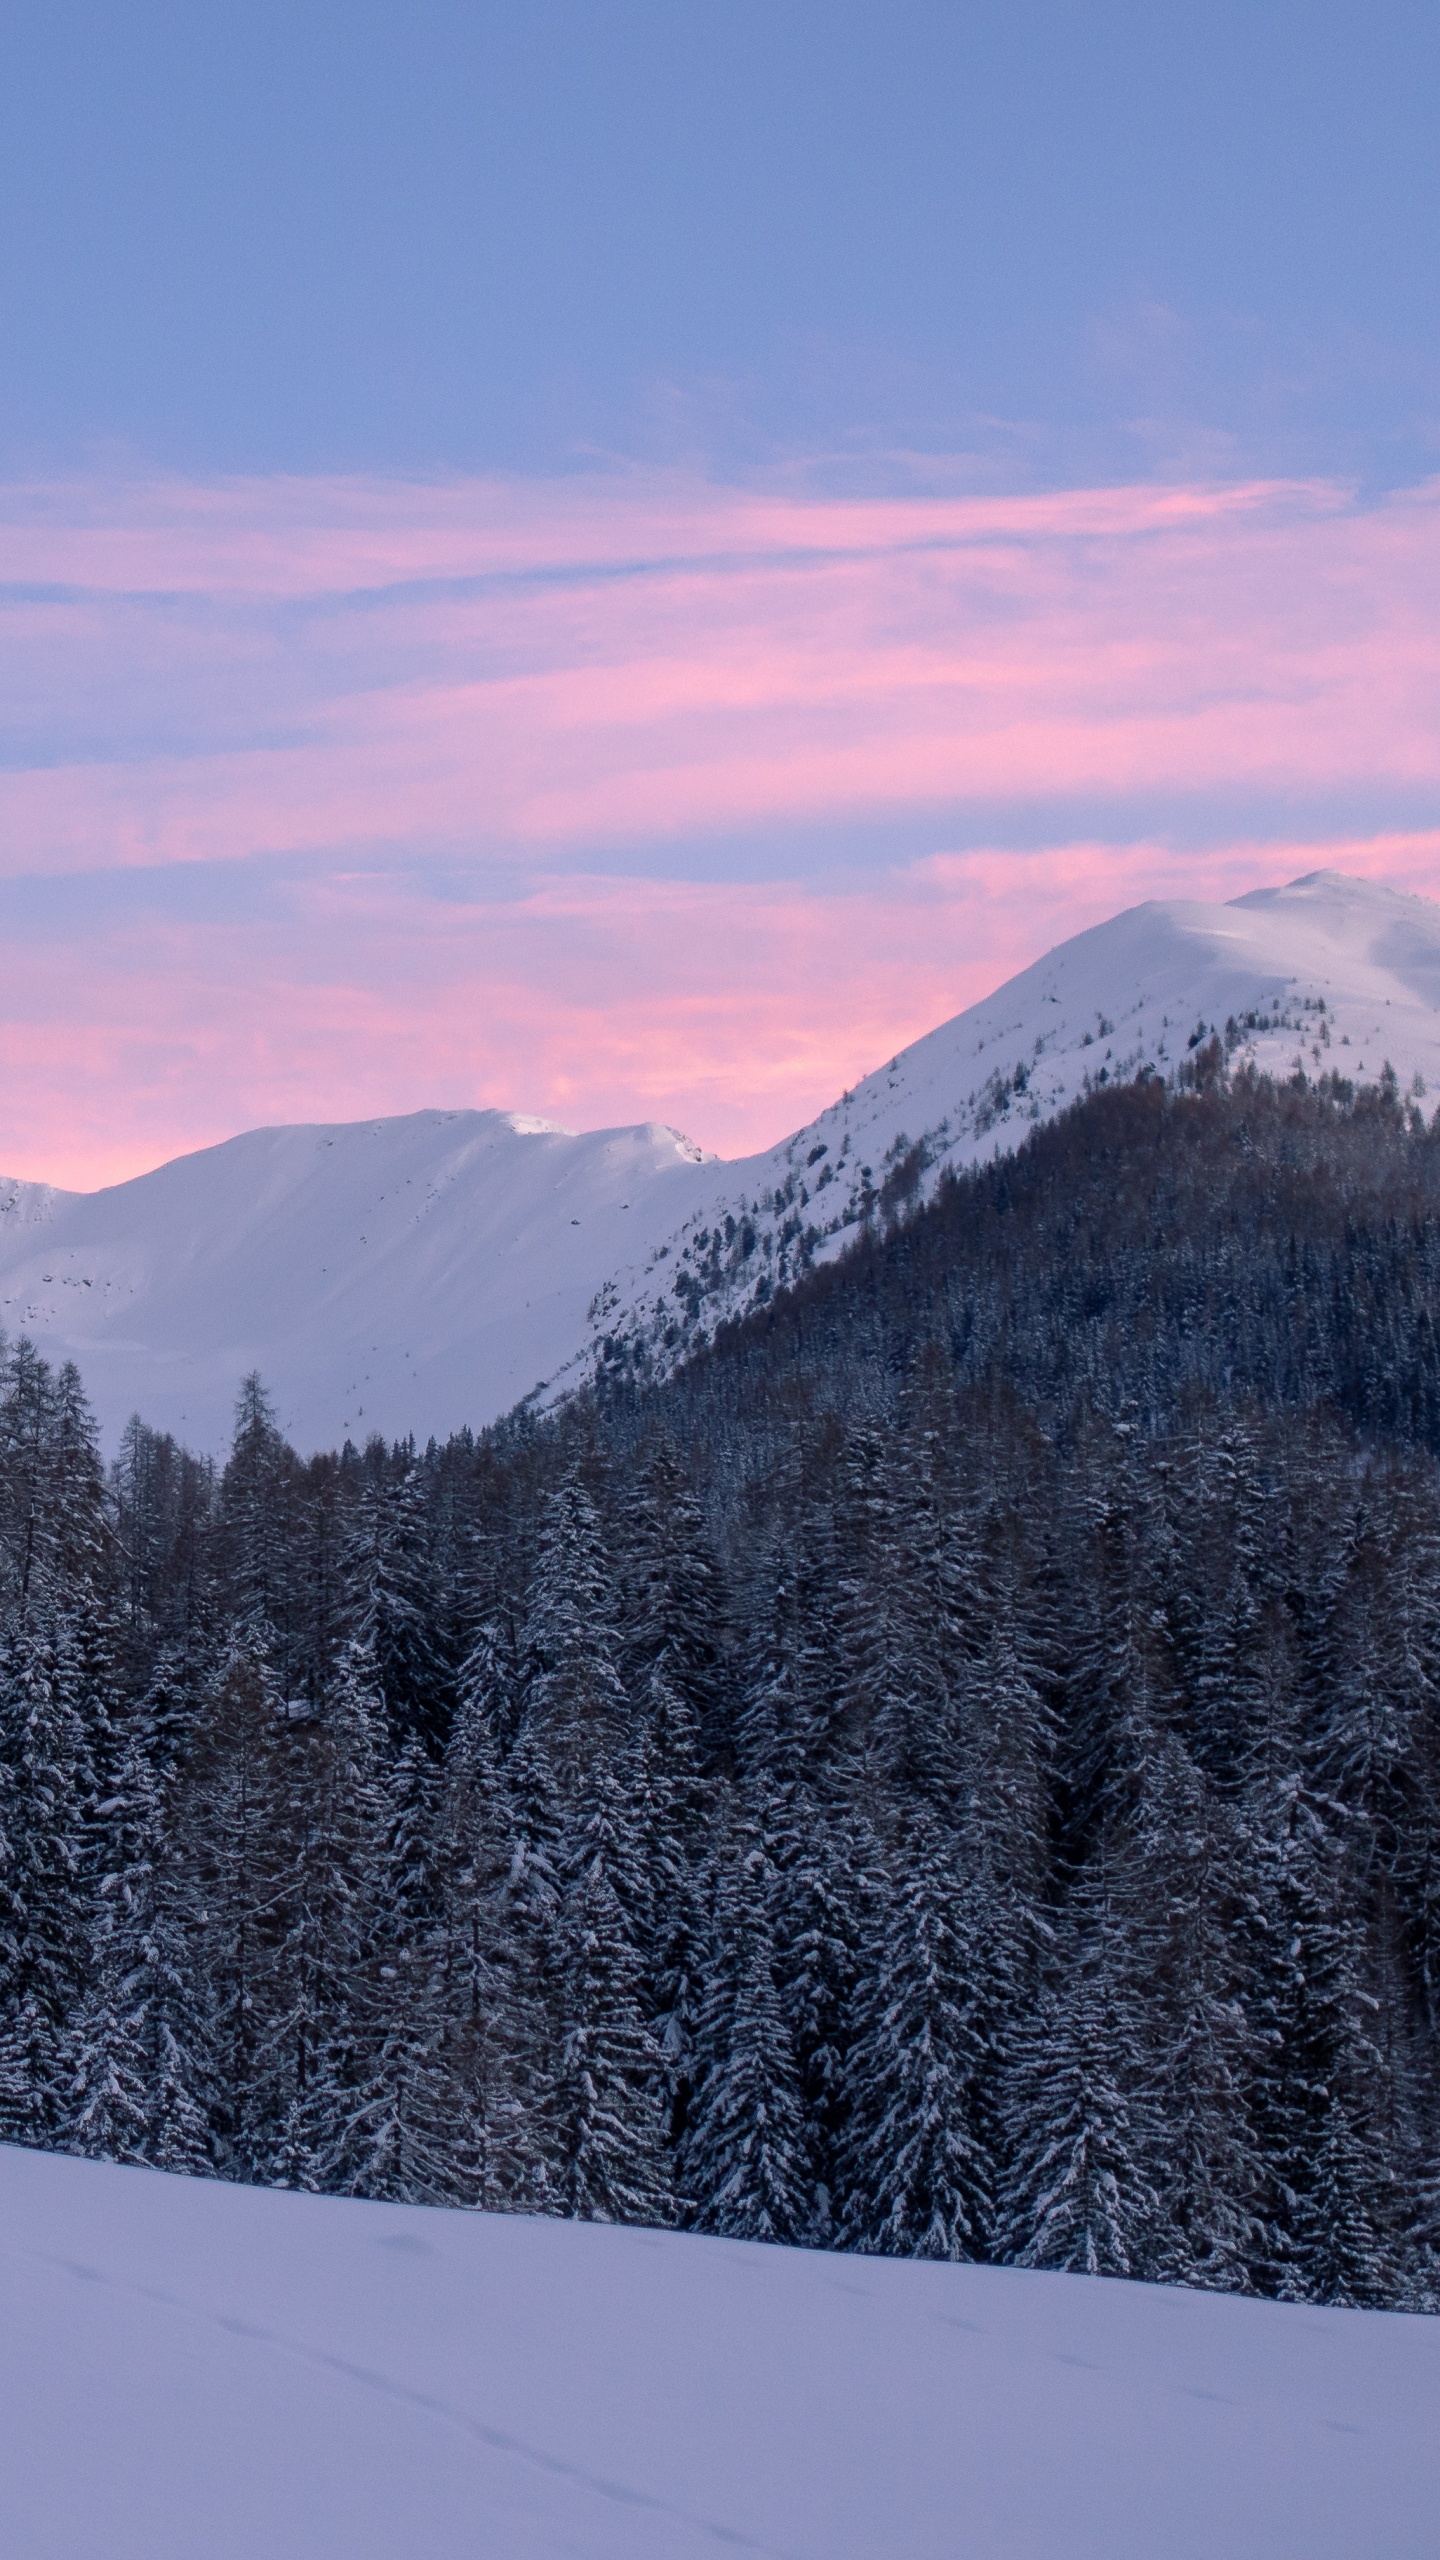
<point x="823" y="662"/>
<point x="736" y="1010"/>
<point x="296" y="537"/>
<point x="390" y="682"/>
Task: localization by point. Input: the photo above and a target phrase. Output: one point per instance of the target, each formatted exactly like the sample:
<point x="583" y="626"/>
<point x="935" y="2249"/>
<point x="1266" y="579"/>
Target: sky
<point x="626" y="560"/>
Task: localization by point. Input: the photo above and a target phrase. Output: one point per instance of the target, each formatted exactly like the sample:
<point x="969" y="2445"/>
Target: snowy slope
<point x="1329" y="973"/>
<point x="392" y="1275"/>
<point x="190" y="2369"/>
<point x="422" y="1273"/>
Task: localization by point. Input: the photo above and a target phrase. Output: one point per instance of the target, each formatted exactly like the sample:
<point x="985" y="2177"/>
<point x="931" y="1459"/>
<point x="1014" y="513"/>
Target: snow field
<point x="190" y="2371"/>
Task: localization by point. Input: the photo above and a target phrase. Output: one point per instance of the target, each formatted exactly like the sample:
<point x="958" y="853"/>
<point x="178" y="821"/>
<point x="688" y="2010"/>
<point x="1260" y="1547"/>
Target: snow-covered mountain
<point x="1329" y="974"/>
<point x="190" y="2371"/>
<point x="422" y="1273"/>
<point x="383" y="1275"/>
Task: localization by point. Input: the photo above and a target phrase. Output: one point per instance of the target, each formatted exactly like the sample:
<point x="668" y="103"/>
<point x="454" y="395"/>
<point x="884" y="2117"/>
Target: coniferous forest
<point x="952" y="1771"/>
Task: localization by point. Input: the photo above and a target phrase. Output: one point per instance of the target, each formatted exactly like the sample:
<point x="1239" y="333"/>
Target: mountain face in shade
<point x="419" y="1274"/>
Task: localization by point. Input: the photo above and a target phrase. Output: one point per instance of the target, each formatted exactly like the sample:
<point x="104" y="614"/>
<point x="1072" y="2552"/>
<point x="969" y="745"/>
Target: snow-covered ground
<point x="422" y="1273"/>
<point x="197" y="2372"/>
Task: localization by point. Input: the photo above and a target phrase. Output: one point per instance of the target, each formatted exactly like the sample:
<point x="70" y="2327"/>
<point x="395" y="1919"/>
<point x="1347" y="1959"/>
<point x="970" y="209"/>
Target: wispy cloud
<point x="330" y="797"/>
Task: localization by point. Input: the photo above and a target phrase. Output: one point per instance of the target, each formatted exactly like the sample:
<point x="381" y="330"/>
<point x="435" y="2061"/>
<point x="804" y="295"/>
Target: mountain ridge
<point x="972" y="1087"/>
<point x="525" y="1255"/>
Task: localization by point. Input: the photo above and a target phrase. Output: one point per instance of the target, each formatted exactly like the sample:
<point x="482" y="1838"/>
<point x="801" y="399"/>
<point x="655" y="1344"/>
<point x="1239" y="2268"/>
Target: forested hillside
<point x="954" y="1771"/>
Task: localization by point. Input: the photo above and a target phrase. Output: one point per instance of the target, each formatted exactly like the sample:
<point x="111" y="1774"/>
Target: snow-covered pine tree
<point x="474" y="1814"/>
<point x="231" y="1819"/>
<point x="163" y="1514"/>
<point x="825" y="1858"/>
<point x="1003" y="1819"/>
<point x="1329" y="2196"/>
<point x="46" y="1931"/>
<point x="1007" y="1737"/>
<point x="743" y="2161"/>
<point x="575" y="1702"/>
<point x="659" y="1770"/>
<point x="318" y="2030"/>
<point x="395" y="1605"/>
<point x="789" y="1684"/>
<point x="256" y="1503"/>
<point x="870" y="1601"/>
<point x="927" y="1625"/>
<point x="29" y="1486"/>
<point x="676" y="1605"/>
<point x="398" y="2130"/>
<point x="167" y="1711"/>
<point x="919" y="2151"/>
<point x="140" y="2058"/>
<point x="1075" y="2194"/>
<point x="675" y="1613"/>
<point x="496" y="2022"/>
<point x="490" y="1687"/>
<point x="535" y="1820"/>
<point x="79" y="1564"/>
<point x="1183" y="1892"/>
<point x="608" y="2102"/>
<point x="1119" y="1684"/>
<point x="1233" y="1675"/>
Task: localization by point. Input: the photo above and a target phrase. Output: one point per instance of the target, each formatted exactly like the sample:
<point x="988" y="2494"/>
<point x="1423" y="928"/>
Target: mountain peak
<point x="420" y="1272"/>
<point x="1345" y="891"/>
<point x="1327" y="975"/>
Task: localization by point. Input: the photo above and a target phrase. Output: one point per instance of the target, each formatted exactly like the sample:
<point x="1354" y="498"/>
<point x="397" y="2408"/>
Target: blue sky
<point x="626" y="560"/>
<point x="1050" y="242"/>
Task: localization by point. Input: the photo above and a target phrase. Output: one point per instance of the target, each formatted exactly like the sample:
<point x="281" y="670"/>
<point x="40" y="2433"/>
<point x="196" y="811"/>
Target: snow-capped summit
<point x="396" y="1275"/>
<point x="418" y="1274"/>
<point x="1328" y="974"/>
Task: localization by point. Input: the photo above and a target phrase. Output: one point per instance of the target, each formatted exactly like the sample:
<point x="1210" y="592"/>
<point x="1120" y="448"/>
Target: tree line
<point x="954" y="1771"/>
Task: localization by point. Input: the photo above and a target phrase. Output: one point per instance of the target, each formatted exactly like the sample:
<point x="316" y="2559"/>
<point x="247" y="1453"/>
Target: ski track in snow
<point x="424" y="1273"/>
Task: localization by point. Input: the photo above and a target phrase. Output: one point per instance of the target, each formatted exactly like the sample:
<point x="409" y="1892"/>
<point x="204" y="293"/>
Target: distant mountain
<point x="397" y="1275"/>
<point x="1331" y="975"/>
<point x="421" y="1273"/>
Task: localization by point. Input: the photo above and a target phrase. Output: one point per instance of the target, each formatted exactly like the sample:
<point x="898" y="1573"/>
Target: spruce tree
<point x="395" y="2127"/>
<point x="1120" y="1685"/>
<point x="676" y="1602"/>
<point x="493" y="1972"/>
<point x="47" y="1923"/>
<point x="232" y="1820"/>
<point x="1076" y="2195"/>
<point x="256" y="1514"/>
<point x="608" y="2101"/>
<point x="396" y="1609"/>
<point x="1330" y="2207"/>
<point x="575" y="1702"/>
<point x="921" y="2173"/>
<point x="317" y="2031"/>
<point x="1185" y="1891"/>
<point x="141" y="2064"/>
<point x="743" y="2161"/>
<point x="29" y="1488"/>
<point x="822" y="1857"/>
